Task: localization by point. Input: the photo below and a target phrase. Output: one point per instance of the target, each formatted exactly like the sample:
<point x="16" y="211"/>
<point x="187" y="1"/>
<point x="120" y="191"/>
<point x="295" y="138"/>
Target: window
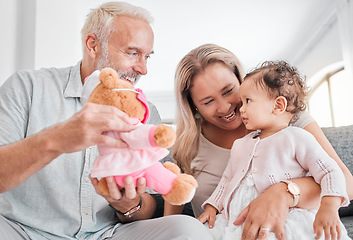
<point x="330" y="100"/>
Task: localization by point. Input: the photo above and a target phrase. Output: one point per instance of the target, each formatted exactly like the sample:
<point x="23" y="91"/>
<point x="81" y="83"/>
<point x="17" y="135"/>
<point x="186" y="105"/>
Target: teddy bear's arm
<point x="140" y="138"/>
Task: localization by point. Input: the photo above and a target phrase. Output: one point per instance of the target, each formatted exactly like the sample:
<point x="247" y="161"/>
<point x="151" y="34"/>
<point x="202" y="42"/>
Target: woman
<point x="208" y="121"/>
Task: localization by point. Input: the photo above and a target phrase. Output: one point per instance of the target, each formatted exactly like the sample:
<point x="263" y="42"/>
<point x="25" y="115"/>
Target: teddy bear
<point x="147" y="144"/>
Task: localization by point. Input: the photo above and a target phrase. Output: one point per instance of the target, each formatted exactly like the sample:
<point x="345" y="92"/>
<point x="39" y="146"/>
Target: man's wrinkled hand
<point x="84" y="129"/>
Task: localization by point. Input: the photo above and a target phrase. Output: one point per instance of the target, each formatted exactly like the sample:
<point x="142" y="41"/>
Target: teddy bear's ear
<point x="108" y="78"/>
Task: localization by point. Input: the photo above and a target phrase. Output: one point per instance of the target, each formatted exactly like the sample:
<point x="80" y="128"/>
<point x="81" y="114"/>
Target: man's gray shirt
<point x="59" y="198"/>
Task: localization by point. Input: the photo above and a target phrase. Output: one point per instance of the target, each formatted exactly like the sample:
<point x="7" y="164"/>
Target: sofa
<point x="341" y="138"/>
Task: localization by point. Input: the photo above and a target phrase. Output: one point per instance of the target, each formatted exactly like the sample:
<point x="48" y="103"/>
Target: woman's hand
<point x="268" y="212"/>
<point x="270" y="209"/>
<point x="209" y="215"/>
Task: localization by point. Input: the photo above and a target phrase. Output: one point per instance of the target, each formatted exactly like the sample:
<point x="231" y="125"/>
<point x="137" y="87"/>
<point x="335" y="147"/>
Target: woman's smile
<point x="230" y="117"/>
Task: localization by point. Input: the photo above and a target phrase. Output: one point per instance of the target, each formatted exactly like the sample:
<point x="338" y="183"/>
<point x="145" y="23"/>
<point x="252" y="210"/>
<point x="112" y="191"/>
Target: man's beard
<point x="104" y="62"/>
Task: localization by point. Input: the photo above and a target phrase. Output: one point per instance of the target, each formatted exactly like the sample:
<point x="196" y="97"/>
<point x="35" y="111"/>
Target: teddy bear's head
<point x="119" y="93"/>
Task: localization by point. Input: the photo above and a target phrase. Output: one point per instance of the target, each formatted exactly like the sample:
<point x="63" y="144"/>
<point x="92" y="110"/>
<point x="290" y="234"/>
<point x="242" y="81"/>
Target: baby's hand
<point x="209" y="215"/>
<point x="327" y="219"/>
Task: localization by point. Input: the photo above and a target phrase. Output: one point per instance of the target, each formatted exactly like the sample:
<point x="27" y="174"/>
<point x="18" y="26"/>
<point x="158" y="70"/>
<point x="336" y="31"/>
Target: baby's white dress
<point x="299" y="224"/>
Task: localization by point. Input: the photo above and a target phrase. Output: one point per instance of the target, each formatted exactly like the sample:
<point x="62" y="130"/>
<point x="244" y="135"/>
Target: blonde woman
<point x="272" y="95"/>
<point x="208" y="121"/>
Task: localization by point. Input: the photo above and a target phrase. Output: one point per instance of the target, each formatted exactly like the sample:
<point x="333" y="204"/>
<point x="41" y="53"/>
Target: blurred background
<point x="314" y="35"/>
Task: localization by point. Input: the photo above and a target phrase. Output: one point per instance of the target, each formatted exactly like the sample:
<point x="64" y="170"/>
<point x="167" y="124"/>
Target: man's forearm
<point x="22" y="159"/>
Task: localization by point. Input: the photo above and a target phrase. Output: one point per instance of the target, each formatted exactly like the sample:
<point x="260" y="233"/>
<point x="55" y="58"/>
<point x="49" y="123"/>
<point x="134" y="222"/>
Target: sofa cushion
<point x="341" y="138"/>
<point x="348" y="223"/>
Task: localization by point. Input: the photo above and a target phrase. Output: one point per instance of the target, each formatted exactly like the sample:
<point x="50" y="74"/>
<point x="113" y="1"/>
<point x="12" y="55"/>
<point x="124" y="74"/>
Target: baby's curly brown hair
<point x="281" y="79"/>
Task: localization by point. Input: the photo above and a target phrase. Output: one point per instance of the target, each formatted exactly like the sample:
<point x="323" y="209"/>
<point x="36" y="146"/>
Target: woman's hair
<point x="188" y="128"/>
<point x="278" y="78"/>
<point x="99" y="20"/>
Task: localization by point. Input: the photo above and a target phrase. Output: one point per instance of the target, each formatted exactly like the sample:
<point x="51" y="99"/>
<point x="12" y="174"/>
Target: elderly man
<point x="48" y="144"/>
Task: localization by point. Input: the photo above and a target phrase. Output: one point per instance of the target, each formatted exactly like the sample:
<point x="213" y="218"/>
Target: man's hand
<point x="85" y="128"/>
<point x="124" y="199"/>
<point x="268" y="212"/>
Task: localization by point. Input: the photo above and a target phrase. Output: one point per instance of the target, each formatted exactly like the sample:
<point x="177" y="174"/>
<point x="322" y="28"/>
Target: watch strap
<point x="295" y="195"/>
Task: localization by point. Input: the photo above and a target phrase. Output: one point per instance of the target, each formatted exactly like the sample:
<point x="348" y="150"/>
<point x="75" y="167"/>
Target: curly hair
<point x="281" y="79"/>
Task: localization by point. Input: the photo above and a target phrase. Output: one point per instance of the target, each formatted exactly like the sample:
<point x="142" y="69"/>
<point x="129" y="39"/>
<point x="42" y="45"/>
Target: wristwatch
<point x="132" y="211"/>
<point x="293" y="189"/>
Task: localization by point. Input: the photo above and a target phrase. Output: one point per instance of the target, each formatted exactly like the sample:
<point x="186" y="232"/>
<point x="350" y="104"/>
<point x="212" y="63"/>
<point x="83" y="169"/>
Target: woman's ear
<point x="92" y="45"/>
<point x="280" y="105"/>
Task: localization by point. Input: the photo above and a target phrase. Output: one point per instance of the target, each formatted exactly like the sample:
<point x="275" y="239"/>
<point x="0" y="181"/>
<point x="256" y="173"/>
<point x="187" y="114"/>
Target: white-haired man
<point x="48" y="144"/>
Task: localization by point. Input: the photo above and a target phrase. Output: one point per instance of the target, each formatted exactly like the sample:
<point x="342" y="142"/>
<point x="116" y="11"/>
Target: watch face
<point x="293" y="188"/>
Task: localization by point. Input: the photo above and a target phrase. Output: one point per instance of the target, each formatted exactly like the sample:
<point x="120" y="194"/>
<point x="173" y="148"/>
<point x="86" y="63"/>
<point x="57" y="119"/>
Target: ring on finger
<point x="264" y="229"/>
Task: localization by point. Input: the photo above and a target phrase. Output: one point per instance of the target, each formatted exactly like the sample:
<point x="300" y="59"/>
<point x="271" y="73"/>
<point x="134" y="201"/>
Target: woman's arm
<point x="315" y="130"/>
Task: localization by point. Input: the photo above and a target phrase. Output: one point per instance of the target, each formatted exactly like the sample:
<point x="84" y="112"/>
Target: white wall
<point x="57" y="33"/>
<point x="326" y="50"/>
<point x="46" y="33"/>
<point x="8" y="14"/>
<point x="17" y="18"/>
